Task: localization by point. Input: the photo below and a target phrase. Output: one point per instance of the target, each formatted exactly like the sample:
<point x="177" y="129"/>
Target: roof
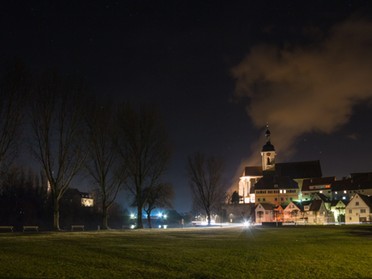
<point x="366" y="199"/>
<point x="317" y="183"/>
<point x="253" y="171"/>
<point x="335" y="202"/>
<point x="275" y="182"/>
<point x="361" y="176"/>
<point x="315" y="205"/>
<point x="297" y="205"/>
<point x="267" y="206"/>
<point x="351" y="184"/>
<point x="268" y="147"/>
<point x="307" y="169"/>
<point x="321" y="197"/>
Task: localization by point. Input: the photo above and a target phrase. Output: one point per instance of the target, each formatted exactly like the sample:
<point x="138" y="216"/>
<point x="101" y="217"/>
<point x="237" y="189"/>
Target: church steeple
<point x="268" y="152"/>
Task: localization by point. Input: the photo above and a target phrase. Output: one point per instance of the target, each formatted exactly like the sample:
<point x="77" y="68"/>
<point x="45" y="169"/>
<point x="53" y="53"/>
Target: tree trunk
<point x="209" y="218"/>
<point x="149" y="220"/>
<point x="105" y="218"/>
<point x="139" y="218"/>
<point x="56" y="215"/>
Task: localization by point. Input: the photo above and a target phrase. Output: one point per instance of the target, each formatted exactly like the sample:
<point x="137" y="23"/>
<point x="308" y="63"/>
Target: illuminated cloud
<point x="307" y="89"/>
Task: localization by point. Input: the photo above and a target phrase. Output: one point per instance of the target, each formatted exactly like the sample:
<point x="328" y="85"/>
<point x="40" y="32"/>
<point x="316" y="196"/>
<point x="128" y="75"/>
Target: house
<point x="316" y="212"/>
<point x="359" y="209"/>
<point x="320" y="185"/>
<point x="264" y="212"/>
<point x="292" y="213"/>
<point x="338" y="209"/>
<point x="276" y="189"/>
<point x="346" y="188"/>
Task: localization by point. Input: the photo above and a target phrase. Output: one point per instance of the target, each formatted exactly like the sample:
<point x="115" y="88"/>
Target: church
<point x="297" y="193"/>
<point x="275" y="183"/>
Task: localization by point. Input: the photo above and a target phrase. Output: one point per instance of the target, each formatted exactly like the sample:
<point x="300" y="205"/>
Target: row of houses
<point x="319" y="210"/>
<point x="296" y="192"/>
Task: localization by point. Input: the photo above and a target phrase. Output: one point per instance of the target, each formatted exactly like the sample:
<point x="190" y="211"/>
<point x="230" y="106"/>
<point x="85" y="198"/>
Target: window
<point x="276" y="199"/>
<point x="356" y="203"/>
<point x="363" y="210"/>
<point x="263" y="199"/>
<point x="259" y="199"/>
<point x="350" y="211"/>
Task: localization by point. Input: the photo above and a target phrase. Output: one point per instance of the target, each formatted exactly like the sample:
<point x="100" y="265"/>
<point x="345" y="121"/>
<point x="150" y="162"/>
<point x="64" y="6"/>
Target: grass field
<point x="288" y="252"/>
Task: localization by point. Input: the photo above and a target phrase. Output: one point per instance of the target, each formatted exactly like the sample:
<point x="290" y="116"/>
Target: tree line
<point x="119" y="145"/>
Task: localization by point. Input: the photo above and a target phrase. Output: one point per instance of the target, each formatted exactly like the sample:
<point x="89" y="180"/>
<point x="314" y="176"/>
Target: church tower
<point x="268" y="153"/>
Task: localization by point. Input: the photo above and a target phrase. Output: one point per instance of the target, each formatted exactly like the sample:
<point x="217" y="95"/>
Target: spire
<point x="268" y="146"/>
<point x="267" y="133"/>
<point x="268" y="153"/>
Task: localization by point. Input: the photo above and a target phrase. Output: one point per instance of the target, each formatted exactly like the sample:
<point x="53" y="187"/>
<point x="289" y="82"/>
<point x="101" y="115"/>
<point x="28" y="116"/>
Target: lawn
<point x="287" y="252"/>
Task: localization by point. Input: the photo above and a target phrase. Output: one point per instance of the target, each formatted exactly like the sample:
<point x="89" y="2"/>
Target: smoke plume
<point x="300" y="90"/>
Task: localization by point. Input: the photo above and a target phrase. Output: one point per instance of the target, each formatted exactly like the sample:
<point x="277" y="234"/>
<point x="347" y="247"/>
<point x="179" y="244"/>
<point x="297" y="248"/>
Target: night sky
<point x="218" y="71"/>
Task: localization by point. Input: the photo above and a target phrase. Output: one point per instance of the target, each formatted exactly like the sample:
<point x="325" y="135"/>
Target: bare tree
<point x="205" y="175"/>
<point x="56" y="116"/>
<point x="13" y="90"/>
<point x="144" y="151"/>
<point x="102" y="163"/>
<point x="160" y="196"/>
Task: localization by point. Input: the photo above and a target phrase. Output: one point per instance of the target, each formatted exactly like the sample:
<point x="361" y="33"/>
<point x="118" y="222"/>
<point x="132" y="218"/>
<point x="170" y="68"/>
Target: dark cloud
<point x="300" y="90"/>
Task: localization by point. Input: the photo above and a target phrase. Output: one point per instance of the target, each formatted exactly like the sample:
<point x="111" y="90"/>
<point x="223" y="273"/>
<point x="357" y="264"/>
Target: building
<point x="296" y="192"/>
<point x="312" y="186"/>
<point x="273" y="182"/>
<point x="359" y="209"/>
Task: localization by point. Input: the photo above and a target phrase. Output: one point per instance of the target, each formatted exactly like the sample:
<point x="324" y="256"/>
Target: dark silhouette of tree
<point x="102" y="163"/>
<point x="144" y="150"/>
<point x="235" y="198"/>
<point x="56" y="114"/>
<point x="159" y="196"/>
<point x="205" y="175"/>
<point x="23" y="198"/>
<point x="14" y="88"/>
